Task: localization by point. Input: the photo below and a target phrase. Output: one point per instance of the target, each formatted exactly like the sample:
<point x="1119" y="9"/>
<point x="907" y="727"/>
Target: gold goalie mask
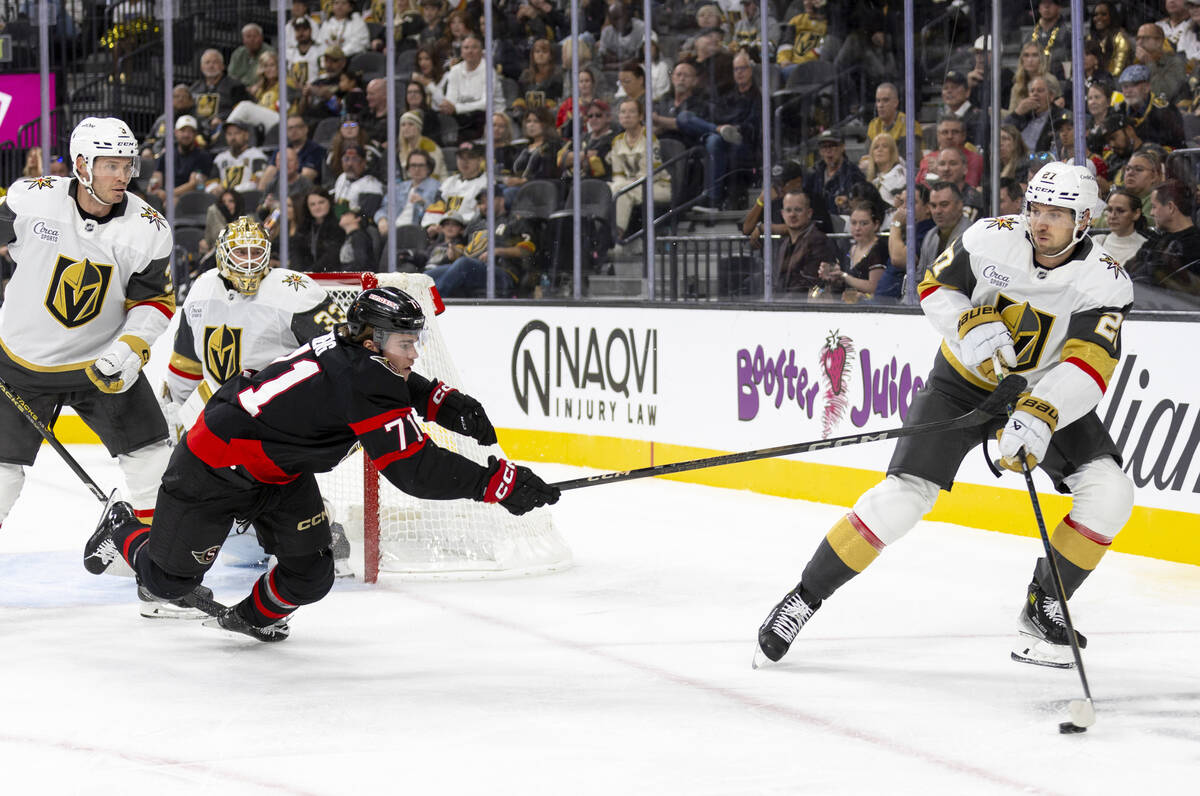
<point x="243" y="254"/>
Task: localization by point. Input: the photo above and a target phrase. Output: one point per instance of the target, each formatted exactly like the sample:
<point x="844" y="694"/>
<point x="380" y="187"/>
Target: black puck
<point x="1068" y="727"/>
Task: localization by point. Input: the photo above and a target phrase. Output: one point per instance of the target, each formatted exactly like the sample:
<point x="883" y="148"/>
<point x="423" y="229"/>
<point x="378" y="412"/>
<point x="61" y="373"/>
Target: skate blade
<point x="1039" y="652"/>
<point x="760" y="659"/>
<point x="215" y="624"/>
<point x="168" y="611"/>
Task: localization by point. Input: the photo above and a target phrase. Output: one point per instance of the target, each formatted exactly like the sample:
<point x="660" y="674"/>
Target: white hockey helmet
<point x="243" y="254"/>
<point x="97" y="137"/>
<point x="1063" y="185"/>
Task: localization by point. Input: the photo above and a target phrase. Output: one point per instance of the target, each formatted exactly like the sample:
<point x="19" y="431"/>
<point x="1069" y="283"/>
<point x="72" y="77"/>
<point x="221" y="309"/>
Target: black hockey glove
<point x="516" y="488"/>
<point x="460" y="413"/>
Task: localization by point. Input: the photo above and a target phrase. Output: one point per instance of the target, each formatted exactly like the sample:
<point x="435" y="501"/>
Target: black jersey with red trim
<point x="304" y="412"/>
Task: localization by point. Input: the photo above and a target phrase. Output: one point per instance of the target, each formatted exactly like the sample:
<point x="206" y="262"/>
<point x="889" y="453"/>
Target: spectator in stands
<point x="416" y="100"/>
<point x="408" y="24"/>
<point x="799" y="255"/>
<point x="433" y="13"/>
<point x="350" y="132"/>
<point x="513" y="246"/>
<point x="241" y="164"/>
<point x="1052" y="35"/>
<point x="833" y="175"/>
<point x="1121" y="141"/>
<point x="1173" y="260"/>
<point x="1012" y="197"/>
<point x="374" y="120"/>
<point x="952" y="134"/>
<point x="449" y="246"/>
<point x="303" y="54"/>
<point x="1108" y="30"/>
<point x="298" y="183"/>
<point x="193" y="163"/>
<point x="351" y="93"/>
<point x="1154" y="118"/>
<point x="631" y="81"/>
<point x="541" y="82"/>
<point x="317" y="240"/>
<point x="536" y="19"/>
<point x="1033" y="114"/>
<point x="458" y="191"/>
<point x="1098" y="99"/>
<point x="1175" y="22"/>
<point x="708" y="16"/>
<point x="428" y="70"/>
<point x="357" y="252"/>
<point x="459" y="26"/>
<point x="627" y="160"/>
<point x="537" y="159"/>
<point x="660" y="75"/>
<point x="979" y="79"/>
<point x="891" y="283"/>
<point x="621" y="36"/>
<point x="319" y="99"/>
<point x="1168" y="72"/>
<point x="597" y="141"/>
<point x="184" y="105"/>
<point x="869" y="49"/>
<point x="311" y="154"/>
<point x="411" y="140"/>
<point x="807" y="38"/>
<point x="215" y="93"/>
<point x="589" y="82"/>
<point x="1032" y="64"/>
<point x="228" y="207"/>
<point x="504" y="151"/>
<point x="884" y="169"/>
<point x="952" y="168"/>
<point x="864" y="258"/>
<point x="748" y="29"/>
<point x="684" y="97"/>
<point x="344" y="28"/>
<point x="1127" y="226"/>
<point x="1013" y="151"/>
<point x="1064" y="150"/>
<point x="946" y="210"/>
<point x="956" y="102"/>
<point x="1189" y="41"/>
<point x="465" y="88"/>
<point x="243" y="64"/>
<point x="889" y="118"/>
<point x="300" y="11"/>
<point x="714" y="65"/>
<point x="417" y="192"/>
<point x="263" y="110"/>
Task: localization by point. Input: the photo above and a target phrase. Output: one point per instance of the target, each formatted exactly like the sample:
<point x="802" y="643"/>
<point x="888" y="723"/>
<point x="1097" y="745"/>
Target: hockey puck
<point x="1069" y="727"/>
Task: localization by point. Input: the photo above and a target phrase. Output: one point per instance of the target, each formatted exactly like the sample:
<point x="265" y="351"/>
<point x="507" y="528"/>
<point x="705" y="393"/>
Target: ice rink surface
<point x="627" y="674"/>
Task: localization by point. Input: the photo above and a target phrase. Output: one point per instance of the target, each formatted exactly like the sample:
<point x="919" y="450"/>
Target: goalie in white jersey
<point x="238" y="317"/>
<point x="90" y="295"/>
<point x="1033" y="295"/>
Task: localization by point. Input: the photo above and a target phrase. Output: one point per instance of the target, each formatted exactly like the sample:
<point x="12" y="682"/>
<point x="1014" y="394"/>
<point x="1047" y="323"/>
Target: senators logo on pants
<point x="223" y="351"/>
<point x="208" y="556"/>
<point x="77" y="290"/>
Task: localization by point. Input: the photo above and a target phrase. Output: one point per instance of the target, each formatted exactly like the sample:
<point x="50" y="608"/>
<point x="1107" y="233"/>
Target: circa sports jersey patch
<point x="223" y="351"/>
<point x="77" y="290"/>
<point x="296" y="282"/>
<point x="1003" y="222"/>
<point x="41" y="182"/>
<point x="153" y="216"/>
<point x="994" y="276"/>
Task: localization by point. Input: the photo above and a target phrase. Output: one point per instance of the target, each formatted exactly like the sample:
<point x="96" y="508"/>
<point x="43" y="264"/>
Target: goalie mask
<point x="1063" y="185"/>
<point x="385" y="310"/>
<point x="101" y="137"/>
<point x="243" y="254"/>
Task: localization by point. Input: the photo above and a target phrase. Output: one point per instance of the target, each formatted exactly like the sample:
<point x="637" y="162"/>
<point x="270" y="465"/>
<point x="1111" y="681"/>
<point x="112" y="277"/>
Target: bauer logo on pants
<point x="208" y="556"/>
<point x="77" y="290"/>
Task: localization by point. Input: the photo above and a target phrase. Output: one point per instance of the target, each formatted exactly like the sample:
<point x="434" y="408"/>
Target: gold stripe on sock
<point x="850" y="545"/>
<point x="1072" y="545"/>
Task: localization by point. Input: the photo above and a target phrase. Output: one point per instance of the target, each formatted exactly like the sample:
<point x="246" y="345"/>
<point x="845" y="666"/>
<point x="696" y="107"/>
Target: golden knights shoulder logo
<point x="153" y="216"/>
<point x="77" y="290"/>
<point x="1002" y="222"/>
<point x="40" y="182"/>
<point x="1030" y="329"/>
<point x="223" y="351"/>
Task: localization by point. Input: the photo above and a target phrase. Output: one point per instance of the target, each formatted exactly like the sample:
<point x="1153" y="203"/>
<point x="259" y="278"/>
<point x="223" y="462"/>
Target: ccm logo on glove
<point x="501" y="483"/>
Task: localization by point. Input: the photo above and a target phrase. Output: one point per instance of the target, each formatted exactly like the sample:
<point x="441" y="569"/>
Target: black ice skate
<point x="154" y="607"/>
<point x="779" y="629"/>
<point x="100" y="553"/>
<point x="1044" y="639"/>
<point x="232" y="621"/>
<point x="341" y="551"/>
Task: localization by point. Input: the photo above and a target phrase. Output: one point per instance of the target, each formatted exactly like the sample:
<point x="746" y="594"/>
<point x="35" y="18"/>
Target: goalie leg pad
<point x="12" y="476"/>
<point x="893" y="506"/>
<point x="143" y="469"/>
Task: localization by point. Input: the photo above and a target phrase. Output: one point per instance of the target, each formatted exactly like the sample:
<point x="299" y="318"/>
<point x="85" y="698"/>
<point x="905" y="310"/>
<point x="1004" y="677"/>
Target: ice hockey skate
<point x="1044" y="640"/>
<point x="341" y="551"/>
<point x="100" y="553"/>
<point x="153" y="607"/>
<point x="779" y="629"/>
<point x="231" y="621"/>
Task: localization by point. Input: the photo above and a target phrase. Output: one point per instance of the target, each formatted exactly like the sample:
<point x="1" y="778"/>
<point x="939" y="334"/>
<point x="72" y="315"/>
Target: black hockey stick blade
<point x="995" y="405"/>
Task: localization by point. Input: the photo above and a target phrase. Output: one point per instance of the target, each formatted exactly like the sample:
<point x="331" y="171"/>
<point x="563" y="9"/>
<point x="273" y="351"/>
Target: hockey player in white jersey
<point x="238" y="317"/>
<point x="1033" y="295"/>
<point x="90" y="294"/>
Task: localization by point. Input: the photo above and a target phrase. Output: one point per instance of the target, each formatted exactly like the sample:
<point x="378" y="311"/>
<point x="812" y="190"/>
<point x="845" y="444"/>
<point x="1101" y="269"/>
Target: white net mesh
<point x="436" y="538"/>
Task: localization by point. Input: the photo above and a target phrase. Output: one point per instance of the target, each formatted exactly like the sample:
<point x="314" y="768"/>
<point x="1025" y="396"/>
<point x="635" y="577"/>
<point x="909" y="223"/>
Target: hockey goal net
<point x="432" y="538"/>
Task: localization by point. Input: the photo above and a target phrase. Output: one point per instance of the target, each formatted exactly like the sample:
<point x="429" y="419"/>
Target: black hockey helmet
<point x="386" y="310"/>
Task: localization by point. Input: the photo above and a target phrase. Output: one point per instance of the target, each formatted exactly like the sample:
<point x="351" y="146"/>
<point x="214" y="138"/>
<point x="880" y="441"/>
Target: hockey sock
<point x="264" y="605"/>
<point x="131" y="537"/>
<point x="1077" y="550"/>
<point x="846" y="550"/>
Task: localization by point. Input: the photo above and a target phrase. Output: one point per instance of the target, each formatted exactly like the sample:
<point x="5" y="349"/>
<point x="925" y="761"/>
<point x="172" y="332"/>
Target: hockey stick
<point x="48" y="435"/>
<point x="995" y="405"/>
<point x="1083" y="712"/>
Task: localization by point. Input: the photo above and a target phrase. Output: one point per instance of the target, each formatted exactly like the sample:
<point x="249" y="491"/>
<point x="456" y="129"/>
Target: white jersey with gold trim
<point x="223" y="332"/>
<point x="240" y="172"/>
<point x="80" y="282"/>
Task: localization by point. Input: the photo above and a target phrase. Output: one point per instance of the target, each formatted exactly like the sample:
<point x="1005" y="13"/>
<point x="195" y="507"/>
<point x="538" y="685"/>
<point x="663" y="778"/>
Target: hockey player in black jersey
<point x="253" y="452"/>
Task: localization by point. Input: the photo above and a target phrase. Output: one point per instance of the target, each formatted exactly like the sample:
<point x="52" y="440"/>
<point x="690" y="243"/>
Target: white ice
<point x="628" y="674"/>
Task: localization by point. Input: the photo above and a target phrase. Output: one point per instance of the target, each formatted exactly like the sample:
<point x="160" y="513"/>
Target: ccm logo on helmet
<point x="311" y="522"/>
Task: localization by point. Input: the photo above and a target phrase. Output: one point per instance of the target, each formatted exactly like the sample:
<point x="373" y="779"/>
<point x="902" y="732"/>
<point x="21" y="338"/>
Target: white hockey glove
<point x="984" y="343"/>
<point x="172" y="413"/>
<point x="1028" y="431"/>
<point x="117" y="370"/>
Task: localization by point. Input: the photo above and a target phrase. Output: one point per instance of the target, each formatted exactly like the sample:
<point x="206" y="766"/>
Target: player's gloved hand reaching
<point x="117" y="370"/>
<point x="1028" y="431"/>
<point x="461" y="413"/>
<point x="985" y="344"/>
<point x="516" y="488"/>
<point x="171" y="413"/>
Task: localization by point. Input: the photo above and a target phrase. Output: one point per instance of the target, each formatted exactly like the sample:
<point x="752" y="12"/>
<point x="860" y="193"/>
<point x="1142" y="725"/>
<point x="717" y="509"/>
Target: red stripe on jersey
<point x="1087" y="533"/>
<point x="929" y="292"/>
<point x="388" y="458"/>
<point x="145" y="515"/>
<point x="271" y="587"/>
<point x="261" y="606"/>
<point x="158" y="305"/>
<point x="190" y="376"/>
<point x="249" y="453"/>
<point x="865" y="532"/>
<point x="1089" y="370"/>
<point x="378" y="421"/>
<point x="129" y="543"/>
